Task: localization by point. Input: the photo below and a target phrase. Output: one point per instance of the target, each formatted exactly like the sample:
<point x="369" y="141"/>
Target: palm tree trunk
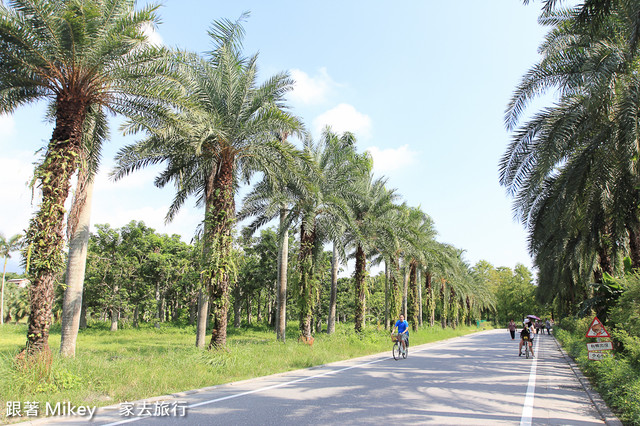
<point x="454" y="308"/>
<point x="634" y="246"/>
<point x="431" y="305"/>
<point x="203" y="315"/>
<point x="387" y="283"/>
<point x="4" y="272"/>
<point x="45" y="239"/>
<point x="361" y="267"/>
<point x="237" y="312"/>
<point x="405" y="292"/>
<point x="333" y="298"/>
<point x="219" y="219"/>
<point x="394" y="289"/>
<point x="443" y="314"/>
<point x="413" y="285"/>
<point x="419" y="299"/>
<point x="76" y="264"/>
<point x="305" y="295"/>
<point x="605" y="260"/>
<point x="283" y="261"/>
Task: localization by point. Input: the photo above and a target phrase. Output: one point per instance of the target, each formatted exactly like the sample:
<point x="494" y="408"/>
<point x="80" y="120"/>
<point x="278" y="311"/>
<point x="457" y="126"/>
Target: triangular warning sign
<point x="597" y="329"/>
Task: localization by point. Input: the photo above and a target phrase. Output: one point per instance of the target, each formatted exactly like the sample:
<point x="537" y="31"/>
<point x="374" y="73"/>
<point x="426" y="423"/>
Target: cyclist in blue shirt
<point x="403" y="332"/>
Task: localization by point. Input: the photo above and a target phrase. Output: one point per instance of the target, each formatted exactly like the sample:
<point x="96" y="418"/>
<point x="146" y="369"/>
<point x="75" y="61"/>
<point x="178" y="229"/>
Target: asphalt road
<point x="472" y="380"/>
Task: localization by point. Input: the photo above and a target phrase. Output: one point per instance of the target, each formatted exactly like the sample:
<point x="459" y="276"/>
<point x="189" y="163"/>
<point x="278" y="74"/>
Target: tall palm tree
<point x="78" y="225"/>
<point x="579" y="157"/>
<point x="273" y="197"/>
<point x="76" y="54"/>
<point x="7" y="246"/>
<point x="325" y="214"/>
<point x="225" y="136"/>
<point x="423" y="233"/>
<point x="372" y="207"/>
<point x="392" y="247"/>
<point x="318" y="205"/>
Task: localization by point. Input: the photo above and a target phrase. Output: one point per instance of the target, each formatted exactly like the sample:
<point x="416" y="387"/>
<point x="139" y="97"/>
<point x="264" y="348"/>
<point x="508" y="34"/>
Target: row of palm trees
<point x="572" y="167"/>
<point x="213" y="126"/>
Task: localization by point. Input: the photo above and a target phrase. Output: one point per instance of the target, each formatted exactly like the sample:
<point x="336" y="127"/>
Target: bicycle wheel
<point x="527" y="350"/>
<point x="397" y="350"/>
<point x="405" y="353"/>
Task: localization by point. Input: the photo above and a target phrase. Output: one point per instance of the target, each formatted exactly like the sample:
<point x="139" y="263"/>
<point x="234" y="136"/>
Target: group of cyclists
<point x="528" y="330"/>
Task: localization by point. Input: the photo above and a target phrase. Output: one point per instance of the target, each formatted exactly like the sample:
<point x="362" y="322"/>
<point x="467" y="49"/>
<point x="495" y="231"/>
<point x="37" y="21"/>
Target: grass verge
<point x="133" y="364"/>
<point x="616" y="378"/>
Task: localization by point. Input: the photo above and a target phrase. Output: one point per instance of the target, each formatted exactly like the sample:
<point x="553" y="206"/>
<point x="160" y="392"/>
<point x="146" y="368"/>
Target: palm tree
<point x="318" y="204"/>
<point x="226" y="135"/>
<point x="323" y="212"/>
<point x="77" y="55"/>
<point x="78" y="224"/>
<point x="420" y="225"/>
<point x="372" y="207"/>
<point x="392" y="247"/>
<point x="7" y="246"/>
<point x="578" y="159"/>
<point x="273" y="197"/>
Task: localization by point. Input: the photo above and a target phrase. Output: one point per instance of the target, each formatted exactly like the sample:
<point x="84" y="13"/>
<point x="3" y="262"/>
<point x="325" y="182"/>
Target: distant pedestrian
<point x="547" y="325"/>
<point x="512" y="329"/>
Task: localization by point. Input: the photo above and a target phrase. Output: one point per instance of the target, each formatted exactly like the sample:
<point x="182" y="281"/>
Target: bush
<point x="626" y="313"/>
<point x="616" y="378"/>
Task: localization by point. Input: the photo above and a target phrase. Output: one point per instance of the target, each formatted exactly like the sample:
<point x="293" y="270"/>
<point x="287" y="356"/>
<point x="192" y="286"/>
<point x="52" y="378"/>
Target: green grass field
<point x="132" y="364"/>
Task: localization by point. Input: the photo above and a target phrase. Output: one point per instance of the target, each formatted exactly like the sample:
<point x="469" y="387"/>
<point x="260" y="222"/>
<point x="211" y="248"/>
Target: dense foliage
<point x="617" y="377"/>
<point x="136" y="276"/>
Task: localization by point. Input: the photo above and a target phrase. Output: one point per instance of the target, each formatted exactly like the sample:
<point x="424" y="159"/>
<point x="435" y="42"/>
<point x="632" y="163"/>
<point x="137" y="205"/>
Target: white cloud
<point x="385" y="160"/>
<point x="311" y="90"/>
<point x="344" y="118"/>
<point x="7" y="126"/>
<point x="153" y="36"/>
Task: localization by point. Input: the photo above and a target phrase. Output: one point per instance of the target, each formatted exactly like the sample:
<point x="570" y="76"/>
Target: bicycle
<point x="397" y="348"/>
<point x="526" y="346"/>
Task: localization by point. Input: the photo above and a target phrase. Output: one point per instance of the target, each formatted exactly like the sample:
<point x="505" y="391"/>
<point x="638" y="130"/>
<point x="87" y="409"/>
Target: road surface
<point x="472" y="380"/>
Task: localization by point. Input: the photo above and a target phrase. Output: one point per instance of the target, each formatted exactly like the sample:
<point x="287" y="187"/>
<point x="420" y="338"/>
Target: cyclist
<point x="526" y="332"/>
<point x="403" y="332"/>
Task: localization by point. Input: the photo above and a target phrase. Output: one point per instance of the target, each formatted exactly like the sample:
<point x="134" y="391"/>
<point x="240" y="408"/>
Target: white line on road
<point x="527" y="408"/>
<point x="237" y="395"/>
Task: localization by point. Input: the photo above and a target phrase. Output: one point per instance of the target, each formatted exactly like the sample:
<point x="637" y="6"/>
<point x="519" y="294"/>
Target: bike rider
<point x="403" y="332"/>
<point x="526" y="332"/>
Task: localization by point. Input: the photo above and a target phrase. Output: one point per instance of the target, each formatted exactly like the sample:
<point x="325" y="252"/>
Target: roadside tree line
<point x="572" y="166"/>
<point x="136" y="276"/>
<point x="213" y="126"/>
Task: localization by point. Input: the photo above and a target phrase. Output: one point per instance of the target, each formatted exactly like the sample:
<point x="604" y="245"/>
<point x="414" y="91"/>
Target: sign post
<point x="597" y="330"/>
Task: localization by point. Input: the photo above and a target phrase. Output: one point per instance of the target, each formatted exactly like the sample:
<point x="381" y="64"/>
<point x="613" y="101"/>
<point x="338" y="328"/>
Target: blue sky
<point x="422" y="84"/>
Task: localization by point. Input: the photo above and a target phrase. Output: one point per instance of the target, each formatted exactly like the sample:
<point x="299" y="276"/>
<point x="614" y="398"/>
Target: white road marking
<point x="279" y="385"/>
<point x="527" y="408"/>
<point x="237" y="395"/>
